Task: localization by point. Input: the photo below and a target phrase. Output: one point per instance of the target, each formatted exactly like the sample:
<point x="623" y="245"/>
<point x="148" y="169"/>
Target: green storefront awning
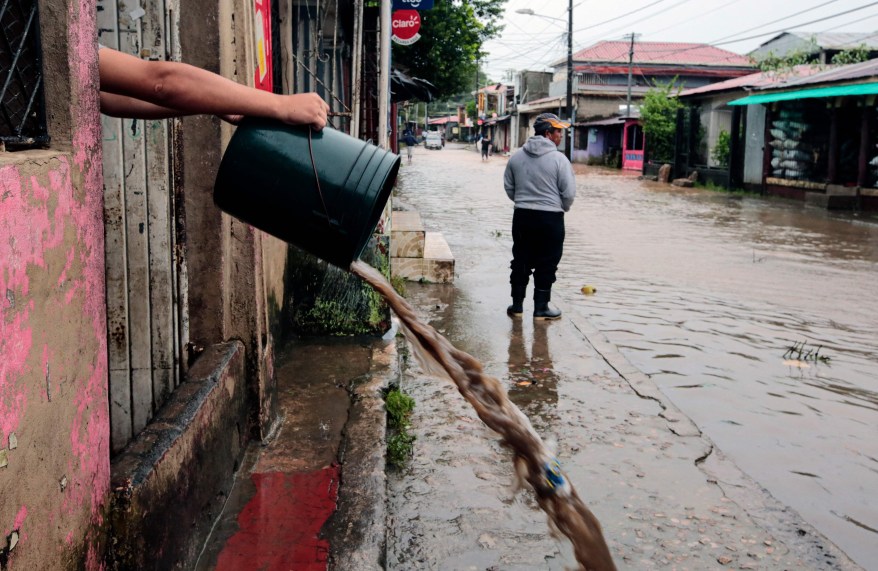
<point x="813" y="93"/>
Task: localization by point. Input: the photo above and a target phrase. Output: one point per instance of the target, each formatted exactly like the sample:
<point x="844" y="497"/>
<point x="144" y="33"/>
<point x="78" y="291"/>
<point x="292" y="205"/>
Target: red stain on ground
<point x="279" y="526"/>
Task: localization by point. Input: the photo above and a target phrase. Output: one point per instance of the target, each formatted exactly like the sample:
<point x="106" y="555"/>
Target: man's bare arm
<point x="187" y="90"/>
<point x="122" y="106"/>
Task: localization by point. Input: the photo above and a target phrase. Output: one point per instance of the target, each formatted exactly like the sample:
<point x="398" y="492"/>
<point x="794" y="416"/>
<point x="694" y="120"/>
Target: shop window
<point x="22" y="107"/>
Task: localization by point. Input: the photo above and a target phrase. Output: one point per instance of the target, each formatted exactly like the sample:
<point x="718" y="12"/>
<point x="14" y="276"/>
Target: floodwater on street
<point x="706" y="293"/>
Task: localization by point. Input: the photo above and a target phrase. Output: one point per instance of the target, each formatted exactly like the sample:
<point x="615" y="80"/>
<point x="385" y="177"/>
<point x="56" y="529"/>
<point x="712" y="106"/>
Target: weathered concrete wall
<point x="170" y="484"/>
<point x="235" y="272"/>
<point x="54" y="424"/>
<point x="595" y="107"/>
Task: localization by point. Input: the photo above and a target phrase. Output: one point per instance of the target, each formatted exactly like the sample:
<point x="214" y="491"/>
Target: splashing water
<point x="534" y="463"/>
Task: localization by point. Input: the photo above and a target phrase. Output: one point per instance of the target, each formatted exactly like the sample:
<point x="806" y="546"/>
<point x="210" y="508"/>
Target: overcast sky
<point x="532" y="42"/>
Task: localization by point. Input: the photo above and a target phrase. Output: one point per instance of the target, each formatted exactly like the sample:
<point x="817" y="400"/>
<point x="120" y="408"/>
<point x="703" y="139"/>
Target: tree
<point x="809" y="55"/>
<point x="853" y="55"/>
<point x="659" y="116"/>
<point x="452" y="34"/>
<point x="471" y="110"/>
<point x="723" y="149"/>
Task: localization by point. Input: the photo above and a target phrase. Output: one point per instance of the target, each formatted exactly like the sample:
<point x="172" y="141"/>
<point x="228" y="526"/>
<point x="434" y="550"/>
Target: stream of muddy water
<point x="534" y="463"/>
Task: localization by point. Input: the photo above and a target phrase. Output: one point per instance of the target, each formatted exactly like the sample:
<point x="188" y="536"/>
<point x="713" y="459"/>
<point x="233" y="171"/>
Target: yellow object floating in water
<point x="588" y="290"/>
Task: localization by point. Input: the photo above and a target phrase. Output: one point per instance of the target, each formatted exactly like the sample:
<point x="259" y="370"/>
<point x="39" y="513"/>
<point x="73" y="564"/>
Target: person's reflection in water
<point x="533" y="383"/>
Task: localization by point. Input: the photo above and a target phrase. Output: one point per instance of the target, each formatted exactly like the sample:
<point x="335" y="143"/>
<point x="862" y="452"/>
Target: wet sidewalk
<point x="314" y="491"/>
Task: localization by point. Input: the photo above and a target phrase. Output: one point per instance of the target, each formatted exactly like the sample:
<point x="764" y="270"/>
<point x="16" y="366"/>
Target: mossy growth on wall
<point x="326" y="300"/>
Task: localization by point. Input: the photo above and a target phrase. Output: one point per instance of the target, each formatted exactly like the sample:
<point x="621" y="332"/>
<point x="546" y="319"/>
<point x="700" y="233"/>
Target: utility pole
<point x="476" y="120"/>
<point x="355" y="69"/>
<point x="568" y="148"/>
<point x="630" y="62"/>
<point x="384" y="77"/>
<point x="571" y="115"/>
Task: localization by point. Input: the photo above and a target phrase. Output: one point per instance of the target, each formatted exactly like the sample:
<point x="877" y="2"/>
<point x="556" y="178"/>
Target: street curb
<point x="358" y="527"/>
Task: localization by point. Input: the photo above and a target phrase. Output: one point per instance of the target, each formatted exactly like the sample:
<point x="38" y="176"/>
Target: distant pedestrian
<point x="540" y="181"/>
<point x="410" y="143"/>
<point x="486" y="146"/>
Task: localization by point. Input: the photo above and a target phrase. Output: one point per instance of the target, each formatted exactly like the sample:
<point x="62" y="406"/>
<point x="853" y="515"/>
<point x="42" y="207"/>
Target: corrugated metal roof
<point x="852" y="72"/>
<point x="667" y="69"/>
<point x="603" y="122"/>
<point x="833" y="40"/>
<point x="762" y="79"/>
<point x="603" y="89"/>
<point x="661" y="52"/>
<point x="443" y="120"/>
<point x="497" y="87"/>
<point x="495" y="120"/>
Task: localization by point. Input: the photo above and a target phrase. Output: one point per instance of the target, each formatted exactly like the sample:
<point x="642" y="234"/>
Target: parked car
<point x="433" y="140"/>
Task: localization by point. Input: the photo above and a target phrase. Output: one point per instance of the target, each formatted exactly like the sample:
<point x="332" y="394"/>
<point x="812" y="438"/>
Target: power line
<point x="782" y="30"/>
<point x="857" y="21"/>
<point x="552" y="46"/>
<point x="779" y="19"/>
<point x="732" y="38"/>
<point x="696" y="17"/>
<point x="628" y="25"/>
<point x="619" y="17"/>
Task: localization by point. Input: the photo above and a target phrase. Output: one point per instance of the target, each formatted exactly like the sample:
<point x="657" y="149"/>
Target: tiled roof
<point x="662" y="53"/>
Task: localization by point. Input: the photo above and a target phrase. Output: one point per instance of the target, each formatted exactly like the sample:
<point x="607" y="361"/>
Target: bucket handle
<point x="317" y="178"/>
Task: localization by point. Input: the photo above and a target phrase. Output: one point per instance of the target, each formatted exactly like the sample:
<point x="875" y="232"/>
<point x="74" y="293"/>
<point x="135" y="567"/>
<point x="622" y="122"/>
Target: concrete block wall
<point x="54" y="423"/>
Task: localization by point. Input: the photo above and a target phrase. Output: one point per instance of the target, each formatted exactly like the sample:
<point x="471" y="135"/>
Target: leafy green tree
<point x="723" y="149"/>
<point x="658" y="113"/>
<point x="786" y="63"/>
<point x="471" y="110"/>
<point x="809" y="55"/>
<point x="853" y="55"/>
<point x="452" y="34"/>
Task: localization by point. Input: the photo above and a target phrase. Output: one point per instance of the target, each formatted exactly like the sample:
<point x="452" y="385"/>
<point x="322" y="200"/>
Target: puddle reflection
<point x="532" y="381"/>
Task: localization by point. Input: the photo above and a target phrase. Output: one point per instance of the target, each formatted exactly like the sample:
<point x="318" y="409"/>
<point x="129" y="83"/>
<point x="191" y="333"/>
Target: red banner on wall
<point x="262" y="25"/>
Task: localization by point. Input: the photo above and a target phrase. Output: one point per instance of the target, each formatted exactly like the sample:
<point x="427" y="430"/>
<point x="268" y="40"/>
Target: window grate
<point x="22" y="107"/>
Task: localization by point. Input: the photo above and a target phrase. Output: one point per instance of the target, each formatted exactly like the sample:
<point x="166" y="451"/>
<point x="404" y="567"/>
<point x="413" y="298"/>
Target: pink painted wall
<point x="54" y="421"/>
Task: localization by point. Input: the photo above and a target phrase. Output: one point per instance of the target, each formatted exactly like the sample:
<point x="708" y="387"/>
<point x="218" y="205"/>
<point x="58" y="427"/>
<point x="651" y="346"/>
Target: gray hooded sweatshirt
<point x="538" y="177"/>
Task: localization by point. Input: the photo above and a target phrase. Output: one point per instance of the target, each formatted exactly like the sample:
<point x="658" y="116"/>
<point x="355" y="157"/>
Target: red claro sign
<point x="404" y="26"/>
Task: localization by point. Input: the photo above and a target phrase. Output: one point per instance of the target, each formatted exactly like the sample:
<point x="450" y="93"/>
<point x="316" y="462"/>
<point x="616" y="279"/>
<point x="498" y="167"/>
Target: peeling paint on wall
<point x="53" y="362"/>
<point x="15" y="330"/>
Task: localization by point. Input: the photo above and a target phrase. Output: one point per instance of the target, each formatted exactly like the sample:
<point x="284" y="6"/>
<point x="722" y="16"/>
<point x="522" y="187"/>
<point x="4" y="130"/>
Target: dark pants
<point x="537" y="245"/>
<point x="484" y="151"/>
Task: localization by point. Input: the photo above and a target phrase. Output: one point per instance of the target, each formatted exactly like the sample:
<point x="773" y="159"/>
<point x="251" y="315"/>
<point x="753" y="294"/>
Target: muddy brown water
<point x="533" y="461"/>
<point x="705" y="292"/>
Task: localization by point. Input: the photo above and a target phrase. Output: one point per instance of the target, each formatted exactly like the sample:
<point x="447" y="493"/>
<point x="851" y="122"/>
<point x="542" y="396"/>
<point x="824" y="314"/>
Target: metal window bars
<point x="22" y="105"/>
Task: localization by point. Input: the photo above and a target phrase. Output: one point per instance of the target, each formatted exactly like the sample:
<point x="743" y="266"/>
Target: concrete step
<point x="407" y="235"/>
<point x="437" y="265"/>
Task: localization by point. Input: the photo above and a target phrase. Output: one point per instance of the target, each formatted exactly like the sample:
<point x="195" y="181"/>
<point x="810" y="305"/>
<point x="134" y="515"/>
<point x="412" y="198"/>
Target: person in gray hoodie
<point x="540" y="181"/>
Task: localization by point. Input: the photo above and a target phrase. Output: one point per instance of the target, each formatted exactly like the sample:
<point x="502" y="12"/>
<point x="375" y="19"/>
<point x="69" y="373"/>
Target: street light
<point x="568" y="148"/>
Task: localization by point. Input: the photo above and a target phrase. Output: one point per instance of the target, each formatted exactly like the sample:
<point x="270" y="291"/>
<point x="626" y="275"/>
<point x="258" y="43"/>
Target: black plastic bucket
<point x="267" y="179"/>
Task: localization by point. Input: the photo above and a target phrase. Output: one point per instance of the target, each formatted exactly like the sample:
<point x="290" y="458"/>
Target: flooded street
<point x="703" y="292"/>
